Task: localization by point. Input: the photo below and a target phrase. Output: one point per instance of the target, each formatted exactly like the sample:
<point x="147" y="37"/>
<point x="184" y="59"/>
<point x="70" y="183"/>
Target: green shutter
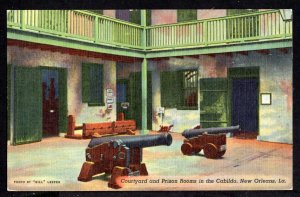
<point x="63" y="105"/>
<point x="9" y="67"/>
<point x="92" y="84"/>
<point x="186" y="15"/>
<point x="27" y="105"/>
<point x="213" y="102"/>
<point x="96" y="84"/>
<point x="171" y="88"/>
<point x="135" y="16"/>
<point x="148" y="17"/>
<point x="85" y="83"/>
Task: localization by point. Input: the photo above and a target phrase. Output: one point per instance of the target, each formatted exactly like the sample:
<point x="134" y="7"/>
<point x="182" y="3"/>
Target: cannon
<point x="211" y="140"/>
<point x="119" y="156"/>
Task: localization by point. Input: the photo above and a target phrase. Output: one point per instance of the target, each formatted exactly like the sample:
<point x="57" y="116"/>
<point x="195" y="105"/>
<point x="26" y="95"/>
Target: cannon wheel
<point x="211" y="151"/>
<point x="187" y="149"/>
<point x="197" y="150"/>
<point x="220" y="154"/>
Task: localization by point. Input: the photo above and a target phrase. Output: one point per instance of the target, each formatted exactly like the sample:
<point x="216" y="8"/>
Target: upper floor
<point x="166" y="32"/>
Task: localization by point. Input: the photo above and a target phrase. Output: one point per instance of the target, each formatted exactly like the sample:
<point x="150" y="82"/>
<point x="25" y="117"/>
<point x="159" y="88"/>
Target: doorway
<point x="50" y="102"/>
<point x="29" y="89"/>
<point x="244" y="86"/>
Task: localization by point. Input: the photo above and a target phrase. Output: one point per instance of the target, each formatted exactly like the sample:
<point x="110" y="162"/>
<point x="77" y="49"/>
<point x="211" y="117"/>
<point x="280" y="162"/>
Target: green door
<point x="62" y="105"/>
<point x="27" y="105"/>
<point x="135" y="99"/>
<point x="213" y="102"/>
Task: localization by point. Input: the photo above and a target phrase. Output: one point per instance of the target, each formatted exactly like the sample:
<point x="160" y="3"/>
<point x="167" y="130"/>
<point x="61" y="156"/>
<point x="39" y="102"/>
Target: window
<point x="186" y="15"/>
<point x="97" y="11"/>
<point x="179" y="89"/>
<point x="190" y="88"/>
<point x="92" y="84"/>
<point x="133" y="16"/>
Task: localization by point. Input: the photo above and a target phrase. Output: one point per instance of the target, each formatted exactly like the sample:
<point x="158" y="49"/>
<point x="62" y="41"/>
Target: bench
<point x="90" y="130"/>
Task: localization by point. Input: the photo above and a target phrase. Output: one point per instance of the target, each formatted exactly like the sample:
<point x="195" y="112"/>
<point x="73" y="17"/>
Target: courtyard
<point x="55" y="162"/>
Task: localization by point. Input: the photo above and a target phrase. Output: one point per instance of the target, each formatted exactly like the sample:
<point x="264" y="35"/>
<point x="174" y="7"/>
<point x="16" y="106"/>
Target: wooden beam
<point x="264" y="52"/>
<point x="212" y="55"/>
<point x="70" y="51"/>
<point x="228" y="54"/>
<point x="243" y="53"/>
<point x="193" y="56"/>
<point x="159" y="59"/>
<point x="284" y="50"/>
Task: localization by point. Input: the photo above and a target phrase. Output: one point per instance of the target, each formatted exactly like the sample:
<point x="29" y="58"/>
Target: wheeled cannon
<point x="119" y="156"/>
<point x="211" y="140"/>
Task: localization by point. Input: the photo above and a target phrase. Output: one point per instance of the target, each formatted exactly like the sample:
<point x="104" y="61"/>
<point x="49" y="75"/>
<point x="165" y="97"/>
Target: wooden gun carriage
<point x="211" y="140"/>
<point x="119" y="156"/>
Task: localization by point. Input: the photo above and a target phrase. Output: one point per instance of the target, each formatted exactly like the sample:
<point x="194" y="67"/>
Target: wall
<point x="82" y="112"/>
<point x="163" y="17"/>
<point x="275" y="121"/>
<point x="211" y="13"/>
<point x="110" y="13"/>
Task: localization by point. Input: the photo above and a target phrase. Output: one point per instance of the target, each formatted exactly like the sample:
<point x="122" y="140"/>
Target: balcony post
<point x="22" y="18"/>
<point x="205" y="33"/>
<point x="144" y="76"/>
<point x="96" y="29"/>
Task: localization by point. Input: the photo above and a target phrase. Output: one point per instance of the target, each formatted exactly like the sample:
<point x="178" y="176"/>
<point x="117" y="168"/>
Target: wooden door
<point x="27" y="105"/>
<point x="244" y="104"/>
<point x="213" y="102"/>
<point x="135" y="99"/>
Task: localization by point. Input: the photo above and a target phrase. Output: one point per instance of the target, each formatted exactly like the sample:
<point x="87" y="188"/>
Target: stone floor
<point x="247" y="165"/>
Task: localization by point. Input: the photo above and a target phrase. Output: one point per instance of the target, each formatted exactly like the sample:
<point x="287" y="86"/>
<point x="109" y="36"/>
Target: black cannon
<point x="139" y="141"/>
<point x="211" y="140"/>
<point x="189" y="133"/>
<point x="119" y="156"/>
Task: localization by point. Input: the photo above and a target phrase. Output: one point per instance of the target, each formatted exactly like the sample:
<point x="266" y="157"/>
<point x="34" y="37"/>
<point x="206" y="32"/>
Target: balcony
<point x="102" y="31"/>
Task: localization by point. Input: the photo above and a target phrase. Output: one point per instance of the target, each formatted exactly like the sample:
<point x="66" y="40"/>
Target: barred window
<point x="179" y="89"/>
<point x="190" y="88"/>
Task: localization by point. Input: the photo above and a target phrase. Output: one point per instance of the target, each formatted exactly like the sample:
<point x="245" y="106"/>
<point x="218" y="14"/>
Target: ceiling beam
<point x="70" y="51"/>
<point x="264" y="52"/>
<point x="243" y="53"/>
<point x="284" y="50"/>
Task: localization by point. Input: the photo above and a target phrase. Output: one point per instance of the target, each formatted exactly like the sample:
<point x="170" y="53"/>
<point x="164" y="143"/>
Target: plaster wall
<point x="34" y="57"/>
<point x="163" y="17"/>
<point x="211" y="13"/>
<point x="110" y="13"/>
<point x="275" y="121"/>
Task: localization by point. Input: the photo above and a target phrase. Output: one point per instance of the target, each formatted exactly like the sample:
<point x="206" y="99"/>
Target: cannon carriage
<point x="119" y="156"/>
<point x="211" y="140"/>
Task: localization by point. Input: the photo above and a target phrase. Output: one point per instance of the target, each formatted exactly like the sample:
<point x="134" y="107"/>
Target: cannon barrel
<point x="189" y="133"/>
<point x="140" y="141"/>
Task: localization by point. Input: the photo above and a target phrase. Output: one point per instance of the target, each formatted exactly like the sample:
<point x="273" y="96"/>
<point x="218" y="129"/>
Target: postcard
<point x="150" y="100"/>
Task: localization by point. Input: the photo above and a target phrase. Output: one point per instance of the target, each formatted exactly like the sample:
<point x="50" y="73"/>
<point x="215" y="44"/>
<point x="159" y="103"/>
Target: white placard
<point x="110" y="100"/>
<point x="266" y="98"/>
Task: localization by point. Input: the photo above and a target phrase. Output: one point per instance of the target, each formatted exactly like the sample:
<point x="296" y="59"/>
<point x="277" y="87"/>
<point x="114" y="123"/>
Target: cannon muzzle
<point x="189" y="133"/>
<point x="140" y="141"/>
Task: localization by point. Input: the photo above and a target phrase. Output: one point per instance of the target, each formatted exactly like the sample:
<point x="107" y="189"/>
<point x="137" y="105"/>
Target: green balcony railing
<point x="87" y="26"/>
<point x="239" y="28"/>
<point x="78" y="24"/>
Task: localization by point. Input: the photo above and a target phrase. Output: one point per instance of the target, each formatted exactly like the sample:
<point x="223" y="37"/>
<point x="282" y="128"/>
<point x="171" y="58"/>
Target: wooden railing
<point x="78" y="24"/>
<point x="87" y="26"/>
<point x="239" y="28"/>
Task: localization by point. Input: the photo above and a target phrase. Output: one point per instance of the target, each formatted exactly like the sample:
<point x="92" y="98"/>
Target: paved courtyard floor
<point x="54" y="165"/>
